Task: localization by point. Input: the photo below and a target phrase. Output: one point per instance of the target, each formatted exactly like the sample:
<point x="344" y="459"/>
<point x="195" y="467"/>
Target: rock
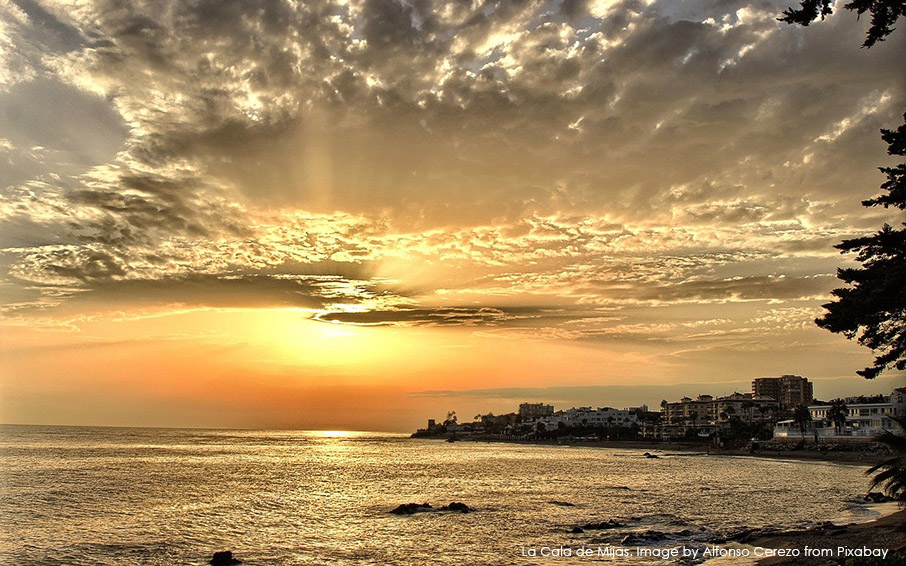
<point x="411" y="508"/>
<point x="224" y="558"/>
<point x="457" y="506"/>
<point x="562" y="503"/>
<point x="876" y="497"/>
<point x="749" y="534"/>
<point x="609" y="524"/>
<point x="650" y="455"/>
<point x="643" y="538"/>
<point x="577" y="530"/>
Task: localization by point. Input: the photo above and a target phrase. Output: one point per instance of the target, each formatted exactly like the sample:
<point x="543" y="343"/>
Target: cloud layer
<point x="584" y="170"/>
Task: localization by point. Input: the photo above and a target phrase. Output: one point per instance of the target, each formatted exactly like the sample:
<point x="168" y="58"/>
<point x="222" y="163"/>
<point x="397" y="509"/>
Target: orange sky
<point x="276" y="368"/>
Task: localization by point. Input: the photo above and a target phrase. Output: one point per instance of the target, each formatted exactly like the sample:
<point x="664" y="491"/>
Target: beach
<point x="887" y="532"/>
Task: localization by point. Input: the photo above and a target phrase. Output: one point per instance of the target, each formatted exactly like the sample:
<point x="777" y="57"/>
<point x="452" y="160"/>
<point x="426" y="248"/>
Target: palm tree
<point x="837" y="414"/>
<point x="890" y="474"/>
<point x="802" y="417"/>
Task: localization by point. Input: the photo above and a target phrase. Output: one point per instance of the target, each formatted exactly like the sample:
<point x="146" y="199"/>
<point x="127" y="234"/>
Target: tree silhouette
<point x="802" y="417"/>
<point x="891" y="473"/>
<point x="884" y="14"/>
<point x="873" y="308"/>
<point x="837" y="414"/>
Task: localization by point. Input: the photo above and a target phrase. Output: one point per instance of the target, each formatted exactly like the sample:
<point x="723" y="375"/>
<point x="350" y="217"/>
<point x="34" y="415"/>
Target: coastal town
<point x="778" y="408"/>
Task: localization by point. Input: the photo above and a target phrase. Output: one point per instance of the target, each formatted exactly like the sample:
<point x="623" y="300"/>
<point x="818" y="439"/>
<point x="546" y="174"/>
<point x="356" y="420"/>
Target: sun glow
<point x="336" y="433"/>
<point x="299" y="339"/>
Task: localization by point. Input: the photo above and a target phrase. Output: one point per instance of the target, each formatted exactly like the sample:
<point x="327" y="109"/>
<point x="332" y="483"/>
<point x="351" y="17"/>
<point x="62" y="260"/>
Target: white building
<point x="601" y="417"/>
<point x="866" y="417"/>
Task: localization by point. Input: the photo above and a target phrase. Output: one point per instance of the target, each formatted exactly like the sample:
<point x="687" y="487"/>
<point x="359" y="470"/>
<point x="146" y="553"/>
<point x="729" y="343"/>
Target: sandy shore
<point x="888" y="532"/>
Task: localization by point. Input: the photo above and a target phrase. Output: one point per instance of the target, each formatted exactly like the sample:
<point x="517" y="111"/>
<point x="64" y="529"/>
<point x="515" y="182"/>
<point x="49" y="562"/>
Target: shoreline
<point x="885" y="532"/>
<point x="685" y="449"/>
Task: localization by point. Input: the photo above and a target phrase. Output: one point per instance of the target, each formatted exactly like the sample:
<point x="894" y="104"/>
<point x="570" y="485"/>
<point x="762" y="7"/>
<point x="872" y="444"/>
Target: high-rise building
<point x="789" y="390"/>
<point x="535" y="410"/>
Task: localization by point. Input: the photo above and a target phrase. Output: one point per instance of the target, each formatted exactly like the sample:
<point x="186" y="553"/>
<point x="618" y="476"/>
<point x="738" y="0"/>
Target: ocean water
<point x="114" y="496"/>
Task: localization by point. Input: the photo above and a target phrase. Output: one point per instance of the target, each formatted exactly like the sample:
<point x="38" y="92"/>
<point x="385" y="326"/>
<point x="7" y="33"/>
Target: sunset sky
<point x="362" y="214"/>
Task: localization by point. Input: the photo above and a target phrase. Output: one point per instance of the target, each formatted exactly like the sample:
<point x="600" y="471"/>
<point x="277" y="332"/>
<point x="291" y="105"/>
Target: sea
<point x="118" y="496"/>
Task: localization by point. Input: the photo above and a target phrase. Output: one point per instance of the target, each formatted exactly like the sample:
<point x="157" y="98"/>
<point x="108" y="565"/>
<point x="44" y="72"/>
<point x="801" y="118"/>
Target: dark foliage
<point x="884" y="14"/>
<point x="837" y="414"/>
<point x="891" y="473"/>
<point x="873" y="308"/>
<point x="803" y="417"/>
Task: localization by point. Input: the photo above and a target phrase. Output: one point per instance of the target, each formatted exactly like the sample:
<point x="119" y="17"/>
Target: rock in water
<point x="457" y="506"/>
<point x="224" y="558"/>
<point x="411" y="508"/>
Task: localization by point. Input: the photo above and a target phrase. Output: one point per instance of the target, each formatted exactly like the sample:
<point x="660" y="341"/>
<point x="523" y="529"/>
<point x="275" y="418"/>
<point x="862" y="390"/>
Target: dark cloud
<point x="57" y="35"/>
<point x="213" y="291"/>
<point x="450" y="316"/>
<point x="760" y="288"/>
<point x="82" y="129"/>
<point x="388" y="23"/>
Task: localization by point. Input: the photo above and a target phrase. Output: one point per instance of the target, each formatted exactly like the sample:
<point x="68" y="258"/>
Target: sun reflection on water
<point x="335" y="433"/>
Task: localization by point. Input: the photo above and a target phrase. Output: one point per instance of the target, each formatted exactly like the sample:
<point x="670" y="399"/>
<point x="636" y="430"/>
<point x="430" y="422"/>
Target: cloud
<point x="446" y="316"/>
<point x="52" y="127"/>
<point x="620" y="396"/>
<point x="514" y="166"/>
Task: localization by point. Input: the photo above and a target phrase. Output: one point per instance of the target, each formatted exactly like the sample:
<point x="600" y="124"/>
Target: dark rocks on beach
<point x="747" y="535"/>
<point x="577" y="530"/>
<point x="562" y="503"/>
<point x="646" y="537"/>
<point x="224" y="558"/>
<point x="609" y="524"/>
<point x="650" y="455"/>
<point x="411" y="508"/>
<point x="877" y="497"/>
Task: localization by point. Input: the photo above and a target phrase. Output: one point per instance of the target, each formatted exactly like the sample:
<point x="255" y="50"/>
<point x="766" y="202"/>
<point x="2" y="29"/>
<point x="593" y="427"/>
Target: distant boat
<point x="704" y="434"/>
